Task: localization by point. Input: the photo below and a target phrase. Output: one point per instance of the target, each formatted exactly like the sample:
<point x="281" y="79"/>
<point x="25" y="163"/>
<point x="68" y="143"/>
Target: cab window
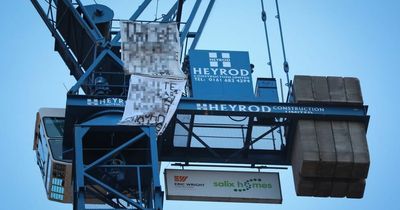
<point x="54" y="127"/>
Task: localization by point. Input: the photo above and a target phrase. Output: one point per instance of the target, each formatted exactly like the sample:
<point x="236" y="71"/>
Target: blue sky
<point x="358" y="38"/>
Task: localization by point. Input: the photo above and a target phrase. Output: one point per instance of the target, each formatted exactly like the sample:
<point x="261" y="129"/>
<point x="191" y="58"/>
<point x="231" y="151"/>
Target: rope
<point x="285" y="63"/>
<point x="264" y="19"/>
<point x="155" y="16"/>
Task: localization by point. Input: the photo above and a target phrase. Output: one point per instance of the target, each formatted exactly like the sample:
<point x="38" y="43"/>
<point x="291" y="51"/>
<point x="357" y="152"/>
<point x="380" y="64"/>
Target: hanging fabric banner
<point x="152" y="101"/>
<point x="150" y="49"/>
<point x="150" y="52"/>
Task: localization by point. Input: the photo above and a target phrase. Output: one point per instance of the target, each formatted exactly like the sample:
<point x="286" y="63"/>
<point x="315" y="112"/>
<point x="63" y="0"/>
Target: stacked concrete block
<point x="353" y="91"/>
<point x="360" y="150"/>
<point x="344" y="150"/>
<point x="327" y="150"/>
<point x="305" y="149"/>
<point x="329" y="158"/>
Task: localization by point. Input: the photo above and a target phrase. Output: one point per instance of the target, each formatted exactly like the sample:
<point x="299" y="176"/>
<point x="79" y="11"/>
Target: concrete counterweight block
<point x="344" y="150"/>
<point x="339" y="188"/>
<point x="360" y="150"/>
<point x="337" y="91"/>
<point x="327" y="150"/>
<point x="305" y="157"/>
<point x="356" y="189"/>
<point x="302" y="88"/>
<point x="329" y="157"/>
<point x="320" y="89"/>
<point x="322" y="187"/>
<point x="353" y="91"/>
<point x="303" y="186"/>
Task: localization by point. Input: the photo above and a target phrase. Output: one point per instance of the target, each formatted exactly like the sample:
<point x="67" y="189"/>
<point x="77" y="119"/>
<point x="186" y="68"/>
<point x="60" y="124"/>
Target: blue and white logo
<point x="224" y="58"/>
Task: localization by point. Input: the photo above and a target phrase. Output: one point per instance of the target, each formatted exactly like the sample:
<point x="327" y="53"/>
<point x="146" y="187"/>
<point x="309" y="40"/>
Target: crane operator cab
<point x="56" y="171"/>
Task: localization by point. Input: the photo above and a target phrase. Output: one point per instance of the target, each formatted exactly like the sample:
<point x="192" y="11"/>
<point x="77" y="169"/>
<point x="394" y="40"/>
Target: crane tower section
<point x="87" y="156"/>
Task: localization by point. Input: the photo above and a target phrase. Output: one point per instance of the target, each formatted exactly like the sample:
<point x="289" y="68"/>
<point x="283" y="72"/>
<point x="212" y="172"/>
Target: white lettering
<point x="244" y="72"/>
<point x="223" y="71"/>
<point x="233" y="107"/>
<point x="197" y="70"/>
<point x="211" y="107"/>
<point x="233" y="72"/>
<point x="265" y="109"/>
<point x="254" y="108"/>
<point x="202" y="106"/>
<point x="214" y="70"/>
<point x="223" y="107"/>
<point x="206" y="71"/>
<point x="242" y="108"/>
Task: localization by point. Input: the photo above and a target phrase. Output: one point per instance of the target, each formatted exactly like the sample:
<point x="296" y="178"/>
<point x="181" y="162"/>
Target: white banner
<point x="150" y="52"/>
<point x="150" y="49"/>
<point x="152" y="101"/>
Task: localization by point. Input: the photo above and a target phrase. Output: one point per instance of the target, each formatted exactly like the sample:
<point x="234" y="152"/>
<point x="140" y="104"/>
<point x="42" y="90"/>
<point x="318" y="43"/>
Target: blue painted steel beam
<point x="179" y="13"/>
<point x="124" y="166"/>
<point x="158" y="196"/>
<point x="241" y="108"/>
<point x="103" y="197"/>
<point x="135" y="15"/>
<point x="113" y="191"/>
<point x="66" y="55"/>
<point x="79" y="84"/>
<point x="114" y="151"/>
<point x="215" y="154"/>
<point x="139" y="180"/>
<point x="249" y="133"/>
<point x="94" y="33"/>
<point x="190" y="132"/>
<point x="79" y="184"/>
<point x="249" y="143"/>
<point x="89" y="71"/>
<point x="189" y="22"/>
<point x="111" y="118"/>
<point x="88" y="19"/>
<point x="202" y="24"/>
<point x="171" y="12"/>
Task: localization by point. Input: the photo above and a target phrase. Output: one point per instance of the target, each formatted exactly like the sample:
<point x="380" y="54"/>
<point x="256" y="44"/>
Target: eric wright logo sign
<point x="180" y="178"/>
<point x="209" y="185"/>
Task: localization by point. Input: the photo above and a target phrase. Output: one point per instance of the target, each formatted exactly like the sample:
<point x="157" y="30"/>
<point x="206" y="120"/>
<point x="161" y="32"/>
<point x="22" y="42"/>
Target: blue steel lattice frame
<point x="83" y="177"/>
<point x="189" y="22"/>
<point x="66" y="54"/>
<point x="77" y="103"/>
<point x="81" y="107"/>
<point x="86" y="23"/>
<point x="135" y="15"/>
<point x="101" y="44"/>
<point x="202" y="24"/>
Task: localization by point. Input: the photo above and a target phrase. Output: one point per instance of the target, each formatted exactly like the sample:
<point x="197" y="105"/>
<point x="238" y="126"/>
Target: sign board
<point x="220" y="75"/>
<point x="227" y="186"/>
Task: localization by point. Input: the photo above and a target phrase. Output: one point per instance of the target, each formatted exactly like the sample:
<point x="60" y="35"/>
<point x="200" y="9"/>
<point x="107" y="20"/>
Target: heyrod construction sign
<point x="232" y="186"/>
